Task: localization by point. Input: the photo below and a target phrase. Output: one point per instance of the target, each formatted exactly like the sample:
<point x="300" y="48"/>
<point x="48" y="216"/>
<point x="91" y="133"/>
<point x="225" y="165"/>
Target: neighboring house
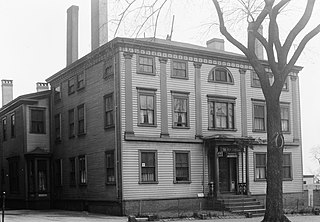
<point x="25" y="150"/>
<point x="146" y="123"/>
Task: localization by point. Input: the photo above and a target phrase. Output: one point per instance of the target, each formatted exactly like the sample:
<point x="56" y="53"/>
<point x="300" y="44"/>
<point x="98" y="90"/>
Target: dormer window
<point x="221" y="75"/>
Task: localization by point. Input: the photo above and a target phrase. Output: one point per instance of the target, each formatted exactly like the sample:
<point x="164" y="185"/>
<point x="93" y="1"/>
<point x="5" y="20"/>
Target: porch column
<point x="247" y="172"/>
<point x="216" y="173"/>
<point x="295" y="107"/>
<point x="128" y="93"/>
<point x="198" y="110"/>
<point x="163" y="97"/>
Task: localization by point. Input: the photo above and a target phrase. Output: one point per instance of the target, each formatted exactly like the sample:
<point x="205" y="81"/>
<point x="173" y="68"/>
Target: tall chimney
<point x="99" y="23"/>
<point x="215" y="43"/>
<point x="258" y="45"/>
<point x="42" y="86"/>
<point x="72" y="34"/>
<point x="7" y="91"/>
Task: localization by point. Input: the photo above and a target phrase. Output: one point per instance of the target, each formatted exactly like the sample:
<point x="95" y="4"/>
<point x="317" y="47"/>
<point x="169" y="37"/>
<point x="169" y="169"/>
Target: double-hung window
<point x="71" y="123"/>
<point x="57" y="93"/>
<point x="110" y="169"/>
<point x="221" y="114"/>
<point x="259" y="117"/>
<point x="147" y="107"/>
<point x="82" y="170"/>
<point x="180" y="104"/>
<point x="72" y="181"/>
<point x="57" y="127"/>
<point x="179" y="69"/>
<point x="287" y="166"/>
<point x="4" y="128"/>
<point x="58" y="172"/>
<point x="146" y="64"/>
<point x="71" y="85"/>
<point x="285" y="118"/>
<point x="37" y="121"/>
<point x="109" y="106"/>
<point x="148" y="167"/>
<point x="80" y="80"/>
<point x="255" y="81"/>
<point x="260" y="166"/>
<point x="181" y="166"/>
<point x="81" y="120"/>
<point x="13" y="125"/>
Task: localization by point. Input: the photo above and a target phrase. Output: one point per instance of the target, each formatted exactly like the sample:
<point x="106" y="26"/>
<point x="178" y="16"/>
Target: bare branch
<point x="156" y="24"/>
<point x="122" y="16"/>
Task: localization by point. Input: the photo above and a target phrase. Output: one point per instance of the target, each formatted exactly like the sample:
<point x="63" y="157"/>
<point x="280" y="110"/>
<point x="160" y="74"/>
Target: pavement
<point x="75" y="216"/>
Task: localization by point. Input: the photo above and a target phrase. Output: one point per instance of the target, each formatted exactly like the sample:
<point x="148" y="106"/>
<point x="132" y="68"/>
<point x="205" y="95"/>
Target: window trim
<point x="175" y="152"/>
<point x="212" y="76"/>
<point x="181" y="95"/>
<point x="257" y="103"/>
<point x="84" y="120"/>
<point x="85" y="159"/>
<point x="71" y="88"/>
<point x="286" y="106"/>
<point x="291" y="167"/>
<point x="227" y="100"/>
<point x="255" y="166"/>
<point x="71" y="135"/>
<point x="147" y="92"/>
<point x="108" y="66"/>
<point x="155" y="152"/>
<point x="57" y="137"/>
<point x="84" y="80"/>
<point x="112" y="111"/>
<point x="153" y="65"/>
<point x="112" y="153"/>
<point x="44" y="119"/>
<point x="173" y="70"/>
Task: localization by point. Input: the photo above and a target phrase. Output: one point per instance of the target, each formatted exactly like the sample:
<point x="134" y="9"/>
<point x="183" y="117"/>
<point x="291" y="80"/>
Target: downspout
<point x="203" y="167"/>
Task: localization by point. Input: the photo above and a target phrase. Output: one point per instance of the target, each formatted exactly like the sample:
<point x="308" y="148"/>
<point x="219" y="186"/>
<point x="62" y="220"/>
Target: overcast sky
<point x="33" y="45"/>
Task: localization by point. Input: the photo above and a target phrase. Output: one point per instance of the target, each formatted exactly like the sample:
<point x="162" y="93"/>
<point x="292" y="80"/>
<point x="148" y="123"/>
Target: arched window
<point x="220" y="74"/>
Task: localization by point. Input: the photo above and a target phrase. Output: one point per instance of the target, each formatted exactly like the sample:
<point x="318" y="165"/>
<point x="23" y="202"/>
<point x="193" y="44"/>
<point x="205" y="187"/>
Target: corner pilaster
<point x="198" y="109"/>
<point x="163" y="97"/>
<point x="244" y="111"/>
<point x="128" y="94"/>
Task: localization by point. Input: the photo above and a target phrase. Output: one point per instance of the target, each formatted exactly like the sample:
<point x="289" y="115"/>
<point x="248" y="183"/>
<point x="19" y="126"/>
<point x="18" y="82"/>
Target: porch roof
<point x="229" y="139"/>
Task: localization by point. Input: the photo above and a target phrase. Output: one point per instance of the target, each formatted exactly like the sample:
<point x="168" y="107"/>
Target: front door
<point x="227" y="174"/>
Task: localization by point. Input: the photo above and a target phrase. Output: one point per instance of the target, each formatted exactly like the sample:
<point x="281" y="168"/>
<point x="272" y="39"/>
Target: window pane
<point x="182" y="166"/>
<point x="148" y="167"/>
<point x="42" y="175"/>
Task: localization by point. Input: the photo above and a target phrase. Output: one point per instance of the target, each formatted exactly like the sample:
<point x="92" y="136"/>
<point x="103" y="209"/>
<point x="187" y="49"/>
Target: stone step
<point x="246" y="203"/>
<point x="252" y="211"/>
<point x="249" y="207"/>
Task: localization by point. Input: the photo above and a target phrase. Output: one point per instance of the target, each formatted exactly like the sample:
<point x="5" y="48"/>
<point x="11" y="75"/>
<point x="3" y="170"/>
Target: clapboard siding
<point x="165" y="187"/>
<point x="291" y="186"/>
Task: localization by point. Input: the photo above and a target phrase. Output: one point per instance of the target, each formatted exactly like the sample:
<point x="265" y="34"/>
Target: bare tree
<point x="281" y="65"/>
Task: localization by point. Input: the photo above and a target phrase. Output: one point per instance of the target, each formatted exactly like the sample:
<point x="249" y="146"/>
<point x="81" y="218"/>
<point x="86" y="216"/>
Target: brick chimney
<point x="99" y="23"/>
<point x="72" y="34"/>
<point x="42" y="86"/>
<point x="7" y="91"/>
<point x="215" y="43"/>
<point x="258" y="46"/>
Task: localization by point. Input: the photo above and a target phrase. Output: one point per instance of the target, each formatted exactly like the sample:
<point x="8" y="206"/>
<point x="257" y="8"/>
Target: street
<point x="74" y="216"/>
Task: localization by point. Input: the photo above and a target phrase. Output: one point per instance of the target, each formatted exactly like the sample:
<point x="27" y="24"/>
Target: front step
<point x="240" y="204"/>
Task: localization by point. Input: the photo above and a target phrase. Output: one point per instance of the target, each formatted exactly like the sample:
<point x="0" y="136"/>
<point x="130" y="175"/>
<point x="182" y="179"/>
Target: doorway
<point x="227" y="174"/>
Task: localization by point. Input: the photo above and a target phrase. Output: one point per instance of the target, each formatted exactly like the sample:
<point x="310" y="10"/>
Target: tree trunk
<point x="274" y="200"/>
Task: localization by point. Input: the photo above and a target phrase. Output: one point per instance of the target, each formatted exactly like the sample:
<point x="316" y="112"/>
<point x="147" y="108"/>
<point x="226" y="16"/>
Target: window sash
<point x="146" y="64"/>
<point x="148" y="167"/>
<point x="71" y="123"/>
<point x="221" y="115"/>
<point x="80" y="80"/>
<point x="180" y="112"/>
<point x="71" y="85"/>
<point x="261" y="166"/>
<point x="57" y="124"/>
<point x="146" y="107"/>
<point x="259" y="117"/>
<point x="179" y="69"/>
<point x="81" y="119"/>
<point x="13" y="125"/>
<point x="109" y="117"/>
<point x="4" y="128"/>
<point x="58" y="172"/>
<point x="37" y="121"/>
<point x="285" y="119"/>
<point x="182" y="171"/>
<point x="72" y="172"/>
<point x="82" y="170"/>
<point x="110" y="168"/>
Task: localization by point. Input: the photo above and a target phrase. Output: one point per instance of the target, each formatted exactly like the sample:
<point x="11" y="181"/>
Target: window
<point x="82" y="170"/>
<point x="14" y="174"/>
<point x="146" y="107"/>
<point x="80" y="80"/>
<point x="42" y="176"/>
<point x="255" y="81"/>
<point x="71" y="86"/>
<point x="181" y="166"/>
<point x="148" y="166"/>
<point x="285" y="119"/>
<point x="179" y="69"/>
<point x="146" y="65"/>
<point x="110" y="170"/>
<point x="108" y="72"/>
<point x="71" y="123"/>
<point x="180" y="109"/>
<point x="13" y="125"/>
<point x="72" y="171"/>
<point x="221" y="114"/>
<point x="260" y="166"/>
<point x="81" y="120"/>
<point x="37" y="121"/>
<point x="221" y="75"/>
<point x="57" y="93"/>
<point x="57" y="127"/>
<point x="287" y="166"/>
<point x="109" y="106"/>
<point x="4" y="128"/>
<point x="58" y="172"/>
<point x="259" y="114"/>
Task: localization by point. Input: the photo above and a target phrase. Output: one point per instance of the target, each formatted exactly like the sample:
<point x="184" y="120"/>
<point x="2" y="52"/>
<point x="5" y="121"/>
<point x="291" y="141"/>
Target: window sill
<point x="222" y="129"/>
<point x="257" y="87"/>
<point x="177" y="77"/>
<point x="151" y="182"/>
<point x="81" y="134"/>
<point x="180" y="127"/>
<point x="80" y="89"/>
<point x="147" y="73"/>
<point x="147" y="125"/>
<point x="182" y="182"/>
<point x="37" y="133"/>
<point x="260" y="180"/>
<point x="259" y="131"/>
<point x="83" y="184"/>
<point x="70" y="93"/>
<point x="110" y="183"/>
<point x="221" y="82"/>
<point x="109" y="127"/>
